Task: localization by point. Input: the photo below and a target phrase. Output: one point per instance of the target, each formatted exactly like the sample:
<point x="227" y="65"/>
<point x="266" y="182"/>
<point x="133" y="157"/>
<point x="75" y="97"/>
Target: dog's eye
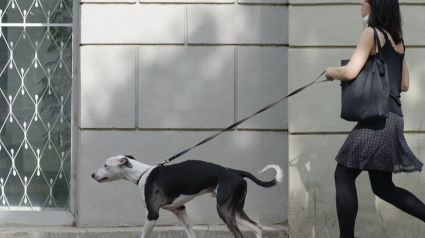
<point x="105" y="166"/>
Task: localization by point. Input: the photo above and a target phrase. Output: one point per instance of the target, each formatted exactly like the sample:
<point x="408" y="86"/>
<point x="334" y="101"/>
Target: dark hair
<point x="386" y="14"/>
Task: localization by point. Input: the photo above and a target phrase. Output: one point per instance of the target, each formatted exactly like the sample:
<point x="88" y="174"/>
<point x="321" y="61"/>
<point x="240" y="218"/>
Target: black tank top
<point x="394" y="61"/>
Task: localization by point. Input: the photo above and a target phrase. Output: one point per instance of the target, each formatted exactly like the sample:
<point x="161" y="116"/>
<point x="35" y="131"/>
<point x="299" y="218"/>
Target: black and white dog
<point x="170" y="187"/>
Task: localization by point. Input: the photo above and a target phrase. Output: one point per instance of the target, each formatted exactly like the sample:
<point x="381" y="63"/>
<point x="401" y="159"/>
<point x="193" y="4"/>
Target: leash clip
<point x="164" y="162"/>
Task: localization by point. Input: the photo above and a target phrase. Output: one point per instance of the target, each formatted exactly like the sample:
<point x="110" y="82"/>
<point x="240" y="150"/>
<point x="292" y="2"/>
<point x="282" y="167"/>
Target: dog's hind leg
<point x="230" y="195"/>
<point x="244" y="220"/>
<point x="184" y="220"/>
<point x="229" y="219"/>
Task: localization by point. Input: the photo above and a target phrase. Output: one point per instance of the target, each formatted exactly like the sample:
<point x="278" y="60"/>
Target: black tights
<point x="382" y="186"/>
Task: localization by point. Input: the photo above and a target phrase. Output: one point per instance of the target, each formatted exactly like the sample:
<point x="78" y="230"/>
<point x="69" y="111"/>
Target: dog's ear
<point x="130" y="157"/>
<point x="125" y="162"/>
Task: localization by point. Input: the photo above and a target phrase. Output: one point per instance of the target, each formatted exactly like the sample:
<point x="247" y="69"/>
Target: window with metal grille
<point x="35" y="104"/>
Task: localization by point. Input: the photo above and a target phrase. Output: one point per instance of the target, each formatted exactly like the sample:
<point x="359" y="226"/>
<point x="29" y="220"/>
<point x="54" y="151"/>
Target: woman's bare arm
<point x="357" y="61"/>
<point x="405" y="77"/>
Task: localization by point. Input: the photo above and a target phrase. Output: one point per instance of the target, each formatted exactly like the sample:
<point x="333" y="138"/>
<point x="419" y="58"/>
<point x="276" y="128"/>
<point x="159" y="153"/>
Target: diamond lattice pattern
<point x="35" y="104"/>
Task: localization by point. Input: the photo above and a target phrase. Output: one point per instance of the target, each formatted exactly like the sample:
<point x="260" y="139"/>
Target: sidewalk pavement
<point x="277" y="231"/>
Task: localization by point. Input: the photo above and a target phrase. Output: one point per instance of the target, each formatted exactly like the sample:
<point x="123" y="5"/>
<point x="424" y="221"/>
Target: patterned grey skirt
<point x="379" y="145"/>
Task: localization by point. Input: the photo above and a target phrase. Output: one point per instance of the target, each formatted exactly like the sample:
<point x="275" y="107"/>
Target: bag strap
<point x="376" y="40"/>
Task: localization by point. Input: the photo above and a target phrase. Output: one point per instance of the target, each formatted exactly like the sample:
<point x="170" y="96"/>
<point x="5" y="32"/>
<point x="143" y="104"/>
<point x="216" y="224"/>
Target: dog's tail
<point x="277" y="178"/>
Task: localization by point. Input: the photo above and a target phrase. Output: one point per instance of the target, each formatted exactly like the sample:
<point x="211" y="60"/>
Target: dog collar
<point x="142" y="176"/>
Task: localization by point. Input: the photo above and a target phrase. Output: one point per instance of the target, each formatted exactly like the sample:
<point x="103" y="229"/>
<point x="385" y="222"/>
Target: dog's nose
<point x="92" y="175"/>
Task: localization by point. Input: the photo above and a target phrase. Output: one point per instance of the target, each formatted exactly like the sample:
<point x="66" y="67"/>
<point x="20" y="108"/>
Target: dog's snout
<point x="92" y="175"/>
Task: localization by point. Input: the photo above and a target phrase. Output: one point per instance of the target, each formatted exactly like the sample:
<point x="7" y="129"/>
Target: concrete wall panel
<point x="108" y="87"/>
<point x="132" y="24"/>
<point x="261" y="80"/>
<point x="413" y="24"/>
<point x="236" y="24"/>
<point x="343" y="24"/>
<point x="413" y="101"/>
<point x="186" y="87"/>
<point x="325" y="25"/>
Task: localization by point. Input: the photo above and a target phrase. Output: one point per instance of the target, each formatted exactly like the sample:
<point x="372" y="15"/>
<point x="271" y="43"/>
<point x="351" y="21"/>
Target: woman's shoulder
<point x="368" y="35"/>
<point x="368" y="31"/>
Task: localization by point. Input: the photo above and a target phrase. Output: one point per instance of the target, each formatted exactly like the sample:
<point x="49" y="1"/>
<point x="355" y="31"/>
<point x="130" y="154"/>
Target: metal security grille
<point x="35" y="104"/>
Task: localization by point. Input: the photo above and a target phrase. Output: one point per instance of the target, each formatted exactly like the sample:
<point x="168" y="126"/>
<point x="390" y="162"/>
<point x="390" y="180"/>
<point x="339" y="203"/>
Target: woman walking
<point x="378" y="147"/>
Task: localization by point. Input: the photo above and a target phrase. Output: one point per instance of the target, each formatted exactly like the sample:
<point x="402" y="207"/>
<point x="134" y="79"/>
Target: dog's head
<point x="115" y="168"/>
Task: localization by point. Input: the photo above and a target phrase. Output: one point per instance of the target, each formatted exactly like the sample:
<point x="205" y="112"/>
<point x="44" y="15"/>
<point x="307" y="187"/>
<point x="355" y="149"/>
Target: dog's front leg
<point x="152" y="200"/>
<point x="148" y="227"/>
<point x="152" y="215"/>
<point x="184" y="220"/>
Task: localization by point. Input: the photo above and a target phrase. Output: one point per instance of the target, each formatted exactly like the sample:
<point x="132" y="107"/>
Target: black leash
<point x="242" y="121"/>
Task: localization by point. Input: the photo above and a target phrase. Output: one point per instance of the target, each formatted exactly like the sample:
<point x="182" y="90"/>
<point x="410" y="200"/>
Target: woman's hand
<point x="328" y="76"/>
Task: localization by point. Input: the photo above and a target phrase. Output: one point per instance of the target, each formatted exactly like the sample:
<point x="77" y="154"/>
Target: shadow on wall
<point x="194" y="86"/>
<point x="313" y="208"/>
<point x="108" y="93"/>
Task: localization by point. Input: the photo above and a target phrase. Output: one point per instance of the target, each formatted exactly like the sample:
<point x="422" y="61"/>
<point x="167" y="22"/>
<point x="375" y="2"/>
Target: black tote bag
<point x="366" y="98"/>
